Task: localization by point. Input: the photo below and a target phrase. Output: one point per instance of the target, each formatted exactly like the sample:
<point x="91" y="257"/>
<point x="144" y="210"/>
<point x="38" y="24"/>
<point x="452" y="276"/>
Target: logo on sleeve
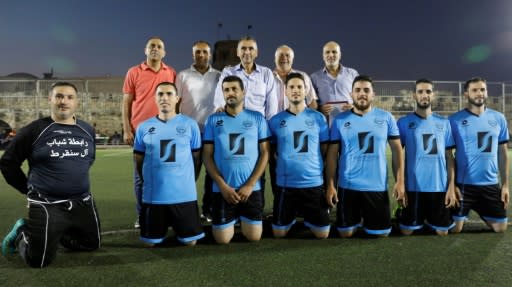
<point x="429" y="144"/>
<point x="300" y="141"/>
<point x="484" y="141"/>
<point x="236" y="144"/>
<point x="366" y="142"/>
<point x="168" y="150"/>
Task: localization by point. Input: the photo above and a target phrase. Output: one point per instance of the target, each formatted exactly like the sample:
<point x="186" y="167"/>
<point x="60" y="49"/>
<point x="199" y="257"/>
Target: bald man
<point x="333" y="82"/>
<point x="284" y="61"/>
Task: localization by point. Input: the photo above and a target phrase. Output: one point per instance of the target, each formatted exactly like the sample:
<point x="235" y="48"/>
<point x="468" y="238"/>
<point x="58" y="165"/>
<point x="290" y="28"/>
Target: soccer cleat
<point x="8" y="244"/>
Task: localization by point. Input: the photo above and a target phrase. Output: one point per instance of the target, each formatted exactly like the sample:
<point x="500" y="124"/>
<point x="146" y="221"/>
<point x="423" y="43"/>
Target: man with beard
<point x="196" y="88"/>
<point x="166" y="153"/>
<point x="332" y="83"/>
<point x="481" y="137"/>
<point x="429" y="176"/>
<point x="299" y="141"/>
<point x="138" y="98"/>
<point x="235" y="154"/>
<point x="358" y="152"/>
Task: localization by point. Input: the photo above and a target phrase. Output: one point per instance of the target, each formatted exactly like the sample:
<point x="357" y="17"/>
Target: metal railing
<point x="22" y="101"/>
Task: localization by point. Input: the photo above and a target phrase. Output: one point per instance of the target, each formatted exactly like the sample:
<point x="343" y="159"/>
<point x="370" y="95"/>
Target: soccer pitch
<point x="476" y="257"/>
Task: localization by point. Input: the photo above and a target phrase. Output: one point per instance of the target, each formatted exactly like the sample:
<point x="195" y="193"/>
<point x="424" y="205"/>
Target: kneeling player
<point x="481" y="136"/>
<point x="429" y="176"/>
<point x="166" y="151"/>
<point x="299" y="140"/>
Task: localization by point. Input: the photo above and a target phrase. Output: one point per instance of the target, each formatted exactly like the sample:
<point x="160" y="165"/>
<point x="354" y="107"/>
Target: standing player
<point x="138" y="103"/>
<point x="299" y="141"/>
<point x="429" y="177"/>
<point x="166" y="152"/>
<point x="358" y="140"/>
<point x="481" y="137"/>
<point x="60" y="150"/>
<point x="196" y="88"/>
<point x="235" y="154"/>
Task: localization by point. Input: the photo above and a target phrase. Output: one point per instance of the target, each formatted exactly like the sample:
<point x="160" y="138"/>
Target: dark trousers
<point x="74" y="224"/>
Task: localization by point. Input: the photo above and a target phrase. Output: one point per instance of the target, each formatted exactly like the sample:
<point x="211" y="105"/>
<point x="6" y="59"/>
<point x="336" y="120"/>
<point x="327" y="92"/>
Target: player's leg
<point x="348" y="212"/>
<point x="186" y="223"/>
<point x="376" y="213"/>
<point x="137" y="190"/>
<point x="85" y="231"/>
<point x="251" y="216"/>
<point x="153" y="223"/>
<point x="223" y="219"/>
<point x="40" y="238"/>
<point x="316" y="211"/>
<point x="437" y="215"/>
<point x="491" y="208"/>
<point x="411" y="217"/>
<point x="467" y="202"/>
<point x="283" y="214"/>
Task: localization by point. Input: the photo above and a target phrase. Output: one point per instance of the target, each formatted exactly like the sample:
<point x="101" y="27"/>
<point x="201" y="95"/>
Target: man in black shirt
<point x="59" y="149"/>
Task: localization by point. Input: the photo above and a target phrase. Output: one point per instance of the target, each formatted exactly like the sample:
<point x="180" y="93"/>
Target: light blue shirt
<point x="260" y="90"/>
<point x="330" y="89"/>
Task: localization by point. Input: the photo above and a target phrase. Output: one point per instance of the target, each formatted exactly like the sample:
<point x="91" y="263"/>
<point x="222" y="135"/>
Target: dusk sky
<point x="389" y="40"/>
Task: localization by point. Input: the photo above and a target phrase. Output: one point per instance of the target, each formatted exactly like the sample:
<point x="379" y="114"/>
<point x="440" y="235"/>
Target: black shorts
<point x="426" y="206"/>
<point x="484" y="199"/>
<point x="225" y="215"/>
<point x="309" y="201"/>
<point x="155" y="219"/>
<point x="369" y="210"/>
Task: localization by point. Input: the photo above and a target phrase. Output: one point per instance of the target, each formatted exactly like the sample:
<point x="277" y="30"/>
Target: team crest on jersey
<point x="181" y="130"/>
<point x="219" y="123"/>
<point x="347" y="125"/>
<point x="300" y="141"/>
<point x="465" y="122"/>
<point x="151" y="130"/>
<point x="412" y="125"/>
<point x="439" y="127"/>
<point x="168" y="150"/>
<point x="429" y="144"/>
<point x="379" y="122"/>
<point x="310" y="123"/>
<point x="247" y="124"/>
<point x="236" y="144"/>
<point x="366" y="142"/>
<point x="282" y="124"/>
<point x="493" y="123"/>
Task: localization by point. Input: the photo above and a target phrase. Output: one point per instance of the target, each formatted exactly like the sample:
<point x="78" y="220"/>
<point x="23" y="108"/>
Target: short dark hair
<point x="423" y="81"/>
<point x="155" y="38"/>
<point x="234" y="79"/>
<point x="166" y="84"/>
<point x="473" y="80"/>
<point x="362" y="78"/>
<point x="63" y="84"/>
<point x="294" y="76"/>
<point x="201" y="42"/>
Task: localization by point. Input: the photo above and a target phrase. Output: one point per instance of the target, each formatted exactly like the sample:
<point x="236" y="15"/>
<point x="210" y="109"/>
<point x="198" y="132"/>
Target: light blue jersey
<point x="362" y="165"/>
<point x="168" y="167"/>
<point x="425" y="141"/>
<point x="298" y="138"/>
<point x="235" y="142"/>
<point x="477" y="139"/>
